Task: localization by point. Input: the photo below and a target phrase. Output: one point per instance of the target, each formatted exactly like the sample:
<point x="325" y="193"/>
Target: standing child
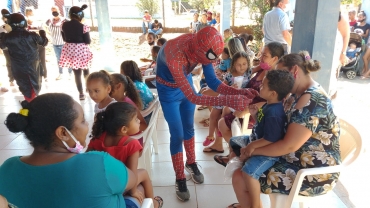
<point x="239" y="68"/>
<point x="24" y="56"/>
<point x="98" y="86"/>
<point x="270" y="127"/>
<point x="228" y="35"/>
<point x="110" y="134"/>
<point x="225" y="63"/>
<point x="124" y="90"/>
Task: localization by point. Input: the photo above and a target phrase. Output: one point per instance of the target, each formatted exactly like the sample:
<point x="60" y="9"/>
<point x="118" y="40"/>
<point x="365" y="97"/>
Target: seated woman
<point x="56" y="174"/>
<point x="271" y="53"/>
<point x="130" y="69"/>
<point x="311" y="140"/>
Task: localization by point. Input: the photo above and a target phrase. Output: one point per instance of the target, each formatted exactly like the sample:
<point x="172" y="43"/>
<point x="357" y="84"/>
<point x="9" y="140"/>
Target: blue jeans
<point x="145" y="27"/>
<point x="58" y="52"/>
<point x="156" y="32"/>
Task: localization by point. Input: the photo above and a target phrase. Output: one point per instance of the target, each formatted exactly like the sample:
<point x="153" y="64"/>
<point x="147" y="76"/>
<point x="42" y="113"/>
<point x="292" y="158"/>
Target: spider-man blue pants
<point x="179" y="114"/>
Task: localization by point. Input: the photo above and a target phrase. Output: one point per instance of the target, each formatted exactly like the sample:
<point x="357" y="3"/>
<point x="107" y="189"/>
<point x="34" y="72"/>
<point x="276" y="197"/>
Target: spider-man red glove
<point x="237" y="102"/>
<point x="227" y="90"/>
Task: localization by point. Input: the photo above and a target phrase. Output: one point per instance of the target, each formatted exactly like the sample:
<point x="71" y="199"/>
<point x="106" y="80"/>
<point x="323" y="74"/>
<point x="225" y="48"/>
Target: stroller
<point x="351" y="70"/>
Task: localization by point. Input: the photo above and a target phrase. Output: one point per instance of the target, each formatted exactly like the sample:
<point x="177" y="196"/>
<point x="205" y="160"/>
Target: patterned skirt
<point x="76" y="56"/>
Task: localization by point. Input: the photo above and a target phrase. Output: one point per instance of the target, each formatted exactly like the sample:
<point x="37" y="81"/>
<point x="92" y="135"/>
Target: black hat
<point x="16" y="20"/>
<point x="76" y="11"/>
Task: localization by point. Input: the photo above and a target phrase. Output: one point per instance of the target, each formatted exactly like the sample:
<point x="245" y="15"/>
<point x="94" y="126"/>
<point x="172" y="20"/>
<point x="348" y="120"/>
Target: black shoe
<point x="182" y="191"/>
<point x="196" y="175"/>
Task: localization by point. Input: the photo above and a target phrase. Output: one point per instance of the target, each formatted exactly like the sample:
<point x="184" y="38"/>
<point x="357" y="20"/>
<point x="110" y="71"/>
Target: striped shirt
<point x="55" y="30"/>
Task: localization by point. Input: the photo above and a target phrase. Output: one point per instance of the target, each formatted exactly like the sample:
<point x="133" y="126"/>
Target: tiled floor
<point x="352" y="105"/>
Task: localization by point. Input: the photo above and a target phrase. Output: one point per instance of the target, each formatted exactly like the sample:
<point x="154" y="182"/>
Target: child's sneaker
<point x="208" y="141"/>
<point x="182" y="191"/>
<point x="195" y="174"/>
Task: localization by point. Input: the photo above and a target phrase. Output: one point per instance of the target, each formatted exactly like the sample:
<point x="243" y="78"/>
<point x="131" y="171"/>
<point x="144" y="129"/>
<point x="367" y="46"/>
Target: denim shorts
<point x="256" y="165"/>
<point x="131" y="202"/>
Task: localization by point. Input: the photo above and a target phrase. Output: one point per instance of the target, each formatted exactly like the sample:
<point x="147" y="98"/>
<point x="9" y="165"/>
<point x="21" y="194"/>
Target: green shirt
<point x="93" y="179"/>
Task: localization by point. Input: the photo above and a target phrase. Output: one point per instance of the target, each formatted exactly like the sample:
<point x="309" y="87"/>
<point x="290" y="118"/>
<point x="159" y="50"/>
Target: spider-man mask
<point x="208" y="45"/>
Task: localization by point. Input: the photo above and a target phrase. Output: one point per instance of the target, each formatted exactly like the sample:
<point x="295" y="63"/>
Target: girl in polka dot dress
<point x="76" y="53"/>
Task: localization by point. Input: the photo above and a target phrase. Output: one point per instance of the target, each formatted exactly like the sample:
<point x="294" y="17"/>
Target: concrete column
<point x="107" y="55"/>
<point x="366" y="7"/>
<point x="315" y="30"/>
<point x="225" y="15"/>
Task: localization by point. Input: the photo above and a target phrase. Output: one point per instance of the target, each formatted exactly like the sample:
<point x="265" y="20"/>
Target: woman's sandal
<point x="219" y="160"/>
<point x="206" y="123"/>
<point x="209" y="140"/>
<point x="159" y="200"/>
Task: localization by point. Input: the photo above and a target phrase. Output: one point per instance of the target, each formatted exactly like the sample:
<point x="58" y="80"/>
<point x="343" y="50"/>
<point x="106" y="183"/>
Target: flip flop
<point x="219" y="160"/>
<point x="212" y="150"/>
<point x="202" y="107"/>
<point x="363" y="77"/>
<point x="233" y="205"/>
<point x="204" y="120"/>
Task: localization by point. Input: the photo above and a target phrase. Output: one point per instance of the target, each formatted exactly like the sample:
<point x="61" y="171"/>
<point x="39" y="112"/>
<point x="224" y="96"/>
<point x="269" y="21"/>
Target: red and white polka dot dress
<point x="76" y="55"/>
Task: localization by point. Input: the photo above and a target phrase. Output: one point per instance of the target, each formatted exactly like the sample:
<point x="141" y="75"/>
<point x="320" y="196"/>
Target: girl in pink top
<point x="124" y="90"/>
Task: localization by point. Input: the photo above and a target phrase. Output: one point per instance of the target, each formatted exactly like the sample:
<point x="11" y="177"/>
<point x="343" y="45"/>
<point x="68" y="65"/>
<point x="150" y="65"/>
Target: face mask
<point x="287" y="8"/>
<point x="78" y="149"/>
<point x="55" y="14"/>
<point x="265" y="66"/>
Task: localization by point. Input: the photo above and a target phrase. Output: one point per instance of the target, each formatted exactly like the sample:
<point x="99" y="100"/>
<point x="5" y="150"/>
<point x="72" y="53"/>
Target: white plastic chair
<point x="239" y="130"/>
<point x="147" y="203"/>
<point x="350" y="146"/>
<point x="197" y="78"/>
<point x="145" y="161"/>
<point x="148" y="74"/>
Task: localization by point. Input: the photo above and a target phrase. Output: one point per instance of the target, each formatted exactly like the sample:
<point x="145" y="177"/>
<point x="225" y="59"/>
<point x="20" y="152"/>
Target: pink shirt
<point x="147" y="18"/>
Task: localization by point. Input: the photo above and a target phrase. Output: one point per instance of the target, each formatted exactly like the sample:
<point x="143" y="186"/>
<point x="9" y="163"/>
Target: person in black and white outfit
<point x="54" y="28"/>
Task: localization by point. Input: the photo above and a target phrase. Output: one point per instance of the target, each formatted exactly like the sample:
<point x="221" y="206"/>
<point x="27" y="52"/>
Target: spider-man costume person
<point x="176" y="59"/>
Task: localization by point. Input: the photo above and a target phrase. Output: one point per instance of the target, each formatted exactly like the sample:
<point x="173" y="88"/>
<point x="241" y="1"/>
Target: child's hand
<point x="138" y="195"/>
<point x="235" y="86"/>
<point x="246" y="152"/>
<point x="253" y="109"/>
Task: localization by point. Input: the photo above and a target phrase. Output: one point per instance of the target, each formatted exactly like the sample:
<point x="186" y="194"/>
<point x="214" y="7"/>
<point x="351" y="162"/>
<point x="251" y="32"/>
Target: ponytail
<point x="98" y="126"/>
<point x="132" y="93"/>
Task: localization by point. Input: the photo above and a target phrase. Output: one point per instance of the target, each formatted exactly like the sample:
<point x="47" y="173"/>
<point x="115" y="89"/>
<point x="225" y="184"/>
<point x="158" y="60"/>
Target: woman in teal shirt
<point x="55" y="174"/>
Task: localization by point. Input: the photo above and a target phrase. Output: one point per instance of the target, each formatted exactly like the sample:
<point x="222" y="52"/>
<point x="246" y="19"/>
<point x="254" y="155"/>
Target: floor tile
<point x="164" y="175"/>
<point x="170" y="200"/>
<point x="7" y="139"/>
<point x="19" y="143"/>
<point x="215" y="195"/>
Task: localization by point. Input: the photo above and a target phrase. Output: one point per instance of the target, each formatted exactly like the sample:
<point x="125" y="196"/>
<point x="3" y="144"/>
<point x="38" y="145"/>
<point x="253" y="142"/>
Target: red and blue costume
<point x="175" y="61"/>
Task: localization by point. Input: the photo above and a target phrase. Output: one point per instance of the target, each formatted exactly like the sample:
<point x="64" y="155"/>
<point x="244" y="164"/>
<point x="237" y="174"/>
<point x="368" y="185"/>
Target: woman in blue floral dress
<point x="311" y="140"/>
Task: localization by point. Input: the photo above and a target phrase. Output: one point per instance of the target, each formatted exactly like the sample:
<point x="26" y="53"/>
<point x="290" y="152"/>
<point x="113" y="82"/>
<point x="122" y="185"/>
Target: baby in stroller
<point x="351" y="52"/>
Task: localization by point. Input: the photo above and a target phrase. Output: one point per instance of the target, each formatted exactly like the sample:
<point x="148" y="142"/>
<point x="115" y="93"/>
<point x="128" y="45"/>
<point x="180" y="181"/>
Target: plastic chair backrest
<point x="350" y="143"/>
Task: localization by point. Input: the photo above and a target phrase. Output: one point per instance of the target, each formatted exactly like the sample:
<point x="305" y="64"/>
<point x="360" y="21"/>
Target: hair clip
<point x="24" y="112"/>
<point x="307" y="57"/>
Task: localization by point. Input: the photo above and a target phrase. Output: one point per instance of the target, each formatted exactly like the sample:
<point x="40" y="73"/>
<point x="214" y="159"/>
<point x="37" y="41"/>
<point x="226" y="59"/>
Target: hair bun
<point x="16" y="122"/>
<point x="83" y="7"/>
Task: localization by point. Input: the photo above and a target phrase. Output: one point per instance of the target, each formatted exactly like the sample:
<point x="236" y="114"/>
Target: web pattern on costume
<point x="181" y="61"/>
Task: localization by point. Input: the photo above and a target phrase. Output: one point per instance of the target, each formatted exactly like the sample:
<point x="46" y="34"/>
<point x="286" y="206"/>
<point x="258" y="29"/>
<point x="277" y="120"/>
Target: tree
<point x="202" y="4"/>
<point x="355" y="2"/>
<point x="257" y="9"/>
<point x="150" y="5"/>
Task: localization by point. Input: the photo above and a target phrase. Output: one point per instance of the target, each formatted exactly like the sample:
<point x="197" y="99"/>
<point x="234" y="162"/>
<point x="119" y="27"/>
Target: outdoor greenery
<point x="200" y="5"/>
<point x="150" y="5"/>
<point x="257" y="9"/>
<point x="355" y="2"/>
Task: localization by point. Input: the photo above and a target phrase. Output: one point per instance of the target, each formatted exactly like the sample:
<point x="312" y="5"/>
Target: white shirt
<point x="98" y="110"/>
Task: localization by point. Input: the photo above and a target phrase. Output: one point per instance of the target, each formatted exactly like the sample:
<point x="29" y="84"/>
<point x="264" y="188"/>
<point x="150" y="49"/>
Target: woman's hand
<point x="138" y="195"/>
<point x="343" y="59"/>
<point x="253" y="110"/>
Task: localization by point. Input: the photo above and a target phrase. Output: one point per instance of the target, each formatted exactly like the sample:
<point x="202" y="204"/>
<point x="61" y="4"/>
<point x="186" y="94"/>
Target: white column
<point x="366" y="7"/>
<point x="106" y="54"/>
<point x="225" y="15"/>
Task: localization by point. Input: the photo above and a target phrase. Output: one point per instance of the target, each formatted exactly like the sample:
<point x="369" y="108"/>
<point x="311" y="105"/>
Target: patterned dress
<point x="76" y="55"/>
<point x="321" y="150"/>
